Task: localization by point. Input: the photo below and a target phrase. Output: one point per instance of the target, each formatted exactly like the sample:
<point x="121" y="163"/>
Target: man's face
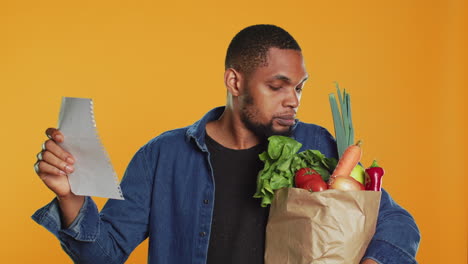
<point x="272" y="93"/>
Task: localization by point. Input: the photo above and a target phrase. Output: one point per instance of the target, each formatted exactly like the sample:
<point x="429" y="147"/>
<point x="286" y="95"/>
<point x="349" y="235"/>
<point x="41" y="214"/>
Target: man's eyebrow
<point x="287" y="79"/>
<point x="282" y="78"/>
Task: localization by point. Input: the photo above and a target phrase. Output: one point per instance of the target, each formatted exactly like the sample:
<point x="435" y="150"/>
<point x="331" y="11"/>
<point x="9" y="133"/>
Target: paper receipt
<point x="94" y="174"/>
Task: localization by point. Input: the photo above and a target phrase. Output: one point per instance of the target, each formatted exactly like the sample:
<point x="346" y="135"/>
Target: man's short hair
<point x="248" y="49"/>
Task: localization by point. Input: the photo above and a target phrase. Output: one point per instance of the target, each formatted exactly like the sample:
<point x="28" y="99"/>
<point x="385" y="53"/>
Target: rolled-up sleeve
<point x="85" y="227"/>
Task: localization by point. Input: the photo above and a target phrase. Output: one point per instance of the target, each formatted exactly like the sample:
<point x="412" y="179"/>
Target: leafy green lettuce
<point x="281" y="163"/>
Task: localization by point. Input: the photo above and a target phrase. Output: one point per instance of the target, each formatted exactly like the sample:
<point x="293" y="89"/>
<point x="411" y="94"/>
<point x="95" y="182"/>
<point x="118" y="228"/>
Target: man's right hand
<point x="53" y="164"/>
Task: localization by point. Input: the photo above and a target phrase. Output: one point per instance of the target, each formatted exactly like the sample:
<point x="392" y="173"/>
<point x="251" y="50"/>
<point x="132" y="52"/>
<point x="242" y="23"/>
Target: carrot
<point x="350" y="158"/>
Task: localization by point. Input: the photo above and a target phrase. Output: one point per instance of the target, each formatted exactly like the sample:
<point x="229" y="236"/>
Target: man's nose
<point x="292" y="99"/>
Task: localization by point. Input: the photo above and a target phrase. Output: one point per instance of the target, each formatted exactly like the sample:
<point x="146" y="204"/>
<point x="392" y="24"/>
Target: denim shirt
<point x="169" y="190"/>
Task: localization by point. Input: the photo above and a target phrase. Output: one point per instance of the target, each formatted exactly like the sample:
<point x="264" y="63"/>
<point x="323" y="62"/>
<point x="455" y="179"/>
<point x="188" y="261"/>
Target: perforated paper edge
<point x="108" y="160"/>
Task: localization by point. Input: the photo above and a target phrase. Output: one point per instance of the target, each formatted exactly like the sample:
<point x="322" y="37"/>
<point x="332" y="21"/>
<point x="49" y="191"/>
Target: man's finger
<point x="43" y="169"/>
<point x="53" y="160"/>
<point x="39" y="155"/>
<point x="36" y="167"/>
<point x="54" y="134"/>
<point x="59" y="152"/>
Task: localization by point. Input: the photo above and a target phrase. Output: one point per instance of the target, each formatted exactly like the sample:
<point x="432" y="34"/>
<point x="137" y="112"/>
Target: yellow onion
<point x="345" y="183"/>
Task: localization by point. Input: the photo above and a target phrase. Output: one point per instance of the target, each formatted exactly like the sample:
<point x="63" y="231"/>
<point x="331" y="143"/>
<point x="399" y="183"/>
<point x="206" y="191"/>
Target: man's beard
<point x="262" y="131"/>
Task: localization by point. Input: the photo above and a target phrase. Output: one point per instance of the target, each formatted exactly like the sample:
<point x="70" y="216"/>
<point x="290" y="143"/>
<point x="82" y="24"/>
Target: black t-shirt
<point x="238" y="227"/>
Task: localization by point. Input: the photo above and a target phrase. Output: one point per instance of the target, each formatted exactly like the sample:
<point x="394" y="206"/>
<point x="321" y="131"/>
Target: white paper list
<point x="94" y="174"/>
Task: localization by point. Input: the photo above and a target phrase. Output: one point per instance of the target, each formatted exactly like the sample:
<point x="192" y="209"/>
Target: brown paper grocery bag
<point x="322" y="227"/>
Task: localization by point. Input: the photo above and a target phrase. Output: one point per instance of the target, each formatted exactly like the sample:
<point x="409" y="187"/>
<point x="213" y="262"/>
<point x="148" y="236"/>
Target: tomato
<point x="315" y="185"/>
<point x="304" y="175"/>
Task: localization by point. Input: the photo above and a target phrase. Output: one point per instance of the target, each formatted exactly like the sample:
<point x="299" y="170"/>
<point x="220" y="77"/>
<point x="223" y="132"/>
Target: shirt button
<point x="202" y="234"/>
<point x="206" y="201"/>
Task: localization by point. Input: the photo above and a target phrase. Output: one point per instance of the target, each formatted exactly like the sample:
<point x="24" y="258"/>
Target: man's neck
<point x="230" y="131"/>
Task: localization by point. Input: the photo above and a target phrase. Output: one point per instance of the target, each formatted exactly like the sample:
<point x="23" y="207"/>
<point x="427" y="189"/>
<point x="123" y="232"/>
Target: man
<point x="169" y="186"/>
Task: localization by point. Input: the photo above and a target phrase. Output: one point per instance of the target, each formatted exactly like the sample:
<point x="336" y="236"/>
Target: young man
<point x="169" y="185"/>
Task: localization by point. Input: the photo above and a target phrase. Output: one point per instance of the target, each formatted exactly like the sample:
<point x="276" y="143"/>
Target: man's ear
<point x="233" y="81"/>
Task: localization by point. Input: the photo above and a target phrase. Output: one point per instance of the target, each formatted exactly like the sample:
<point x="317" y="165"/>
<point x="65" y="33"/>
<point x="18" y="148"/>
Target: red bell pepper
<point x="374" y="177"/>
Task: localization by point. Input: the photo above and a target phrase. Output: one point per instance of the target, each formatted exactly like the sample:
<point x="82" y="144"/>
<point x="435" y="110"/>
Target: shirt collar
<point x="197" y="131"/>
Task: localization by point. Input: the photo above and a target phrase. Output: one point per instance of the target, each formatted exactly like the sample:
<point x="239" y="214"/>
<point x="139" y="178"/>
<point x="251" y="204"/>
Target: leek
<point x="342" y="121"/>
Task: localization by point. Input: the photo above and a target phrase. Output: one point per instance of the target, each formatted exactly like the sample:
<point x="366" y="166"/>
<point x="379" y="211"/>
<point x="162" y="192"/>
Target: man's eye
<point x="298" y="89"/>
<point x="274" y="88"/>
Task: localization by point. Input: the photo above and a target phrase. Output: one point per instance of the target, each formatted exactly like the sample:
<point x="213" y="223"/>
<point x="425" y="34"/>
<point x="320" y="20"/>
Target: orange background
<point x="152" y="66"/>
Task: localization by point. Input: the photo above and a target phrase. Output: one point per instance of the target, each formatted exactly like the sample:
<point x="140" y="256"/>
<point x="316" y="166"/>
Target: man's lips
<point x="288" y="120"/>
